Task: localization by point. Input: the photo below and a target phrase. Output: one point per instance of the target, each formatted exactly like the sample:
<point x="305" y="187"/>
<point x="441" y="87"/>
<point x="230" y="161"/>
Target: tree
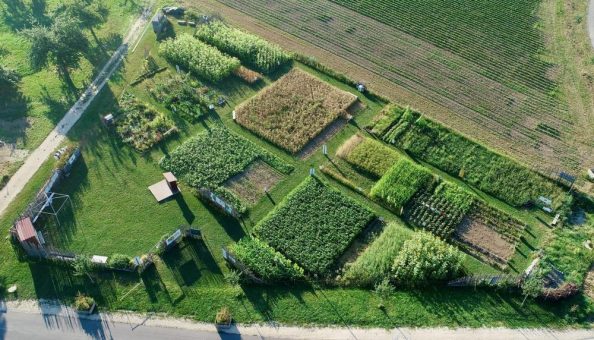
<point x="9" y="79"/>
<point x="61" y="44"/>
<point x="90" y="14"/>
<point x="533" y="285"/>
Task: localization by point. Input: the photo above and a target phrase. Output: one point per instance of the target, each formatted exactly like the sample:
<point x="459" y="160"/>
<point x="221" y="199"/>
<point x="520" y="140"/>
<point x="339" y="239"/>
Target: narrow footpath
<point x="18" y="181"/>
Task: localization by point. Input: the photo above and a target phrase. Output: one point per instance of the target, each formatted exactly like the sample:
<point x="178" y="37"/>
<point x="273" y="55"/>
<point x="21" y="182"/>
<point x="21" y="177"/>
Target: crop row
<point x="205" y="61"/>
<point x="475" y="164"/>
<point x="368" y="155"/>
<point x="252" y="50"/>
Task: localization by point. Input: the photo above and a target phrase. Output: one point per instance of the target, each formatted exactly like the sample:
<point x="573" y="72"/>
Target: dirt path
<point x="58" y="134"/>
<point x="591" y="21"/>
<point x="141" y="322"/>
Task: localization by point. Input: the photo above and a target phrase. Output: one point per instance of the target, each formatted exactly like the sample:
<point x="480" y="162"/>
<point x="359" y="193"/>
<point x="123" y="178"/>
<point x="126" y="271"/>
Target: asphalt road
<point x="29" y="326"/>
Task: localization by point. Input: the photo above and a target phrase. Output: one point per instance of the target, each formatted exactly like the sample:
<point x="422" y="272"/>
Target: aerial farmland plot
<point x="294" y="110"/>
<point x="324" y="163"/>
<point x="484" y="68"/>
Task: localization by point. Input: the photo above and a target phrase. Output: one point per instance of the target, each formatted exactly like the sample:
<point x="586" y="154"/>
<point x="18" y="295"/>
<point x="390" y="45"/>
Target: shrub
<point x="119" y="261"/>
<point x="400" y="183"/>
<point x="370" y="156"/>
<point x="264" y="261"/>
<point x="223" y="316"/>
<point x="375" y="263"/>
<point x="314" y="225"/>
<point x="424" y="258"/>
<point x="83" y="303"/>
<point x="490" y="172"/>
<point x="250" y="49"/>
<point x="205" y="61"/>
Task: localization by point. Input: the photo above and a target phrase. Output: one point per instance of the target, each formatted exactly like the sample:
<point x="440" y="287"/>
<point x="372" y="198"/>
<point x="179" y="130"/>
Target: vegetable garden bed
<point x="294" y="110"/>
<point x="314" y="225"/>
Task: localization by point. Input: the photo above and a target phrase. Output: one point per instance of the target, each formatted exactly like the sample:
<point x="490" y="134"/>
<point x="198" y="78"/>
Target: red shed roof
<point x="25" y="230"/>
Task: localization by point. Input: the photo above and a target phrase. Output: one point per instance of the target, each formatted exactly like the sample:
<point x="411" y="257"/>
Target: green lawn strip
<point x="168" y="280"/>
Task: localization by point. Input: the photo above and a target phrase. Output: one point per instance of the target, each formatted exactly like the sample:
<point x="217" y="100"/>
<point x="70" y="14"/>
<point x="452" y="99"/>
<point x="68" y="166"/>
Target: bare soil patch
<point x="251" y="184"/>
<point x="294" y="110"/>
<point x="484" y="240"/>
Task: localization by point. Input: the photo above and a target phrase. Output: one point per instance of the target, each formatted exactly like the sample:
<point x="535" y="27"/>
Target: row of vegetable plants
<point x="205" y="61"/>
<point x="252" y="50"/>
<point x="490" y="172"/>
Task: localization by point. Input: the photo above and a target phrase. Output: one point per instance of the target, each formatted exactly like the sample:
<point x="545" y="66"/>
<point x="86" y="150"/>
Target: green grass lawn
<point x="115" y="213"/>
<point x="47" y="98"/>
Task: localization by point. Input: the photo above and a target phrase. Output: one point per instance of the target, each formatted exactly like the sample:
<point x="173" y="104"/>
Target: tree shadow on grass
<point x="185" y="209"/>
<point x="232" y="226"/>
<point x="192" y="261"/>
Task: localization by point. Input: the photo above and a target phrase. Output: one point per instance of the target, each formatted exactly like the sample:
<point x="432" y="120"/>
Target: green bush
<point x="119" y="261"/>
<point x="314" y="225"/>
<point x="253" y="51"/>
<point x="400" y="183"/>
<point x="83" y="303"/>
<point x="425" y="258"/>
<point x="490" y="172"/>
<point x="372" y="157"/>
<point x="205" y="61"/>
<point x="264" y="261"/>
<point x="375" y="263"/>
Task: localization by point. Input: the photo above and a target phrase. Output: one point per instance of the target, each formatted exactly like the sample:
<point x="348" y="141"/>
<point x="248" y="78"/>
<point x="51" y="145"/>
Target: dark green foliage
<point x="314" y="225"/>
<point x="9" y="79"/>
<point x="425" y="258"/>
<point x="264" y="261"/>
<point x="141" y="125"/>
<point x="210" y="158"/>
<point x="252" y="50"/>
<point x="386" y="119"/>
<point x="441" y="211"/>
<point x="119" y="261"/>
<point x="400" y="183"/>
<point x="184" y="96"/>
<point x="475" y="164"/>
<point x="61" y="44"/>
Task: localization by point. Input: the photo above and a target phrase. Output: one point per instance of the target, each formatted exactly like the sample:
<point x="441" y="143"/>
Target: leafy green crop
<point x="141" y="125"/>
<point x="252" y="50"/>
<point x="209" y="158"/>
<point x="183" y="95"/>
<point x="267" y="263"/>
<point x="441" y="211"/>
<point x="424" y="258"/>
<point x="490" y="172"/>
<point x="372" y="157"/>
<point x="400" y="183"/>
<point x="205" y="61"/>
<point x="375" y="263"/>
<point x="314" y="225"/>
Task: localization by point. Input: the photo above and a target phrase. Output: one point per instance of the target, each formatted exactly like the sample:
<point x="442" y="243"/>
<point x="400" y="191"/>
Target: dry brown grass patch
<point x="251" y="184"/>
<point x="294" y="110"/>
